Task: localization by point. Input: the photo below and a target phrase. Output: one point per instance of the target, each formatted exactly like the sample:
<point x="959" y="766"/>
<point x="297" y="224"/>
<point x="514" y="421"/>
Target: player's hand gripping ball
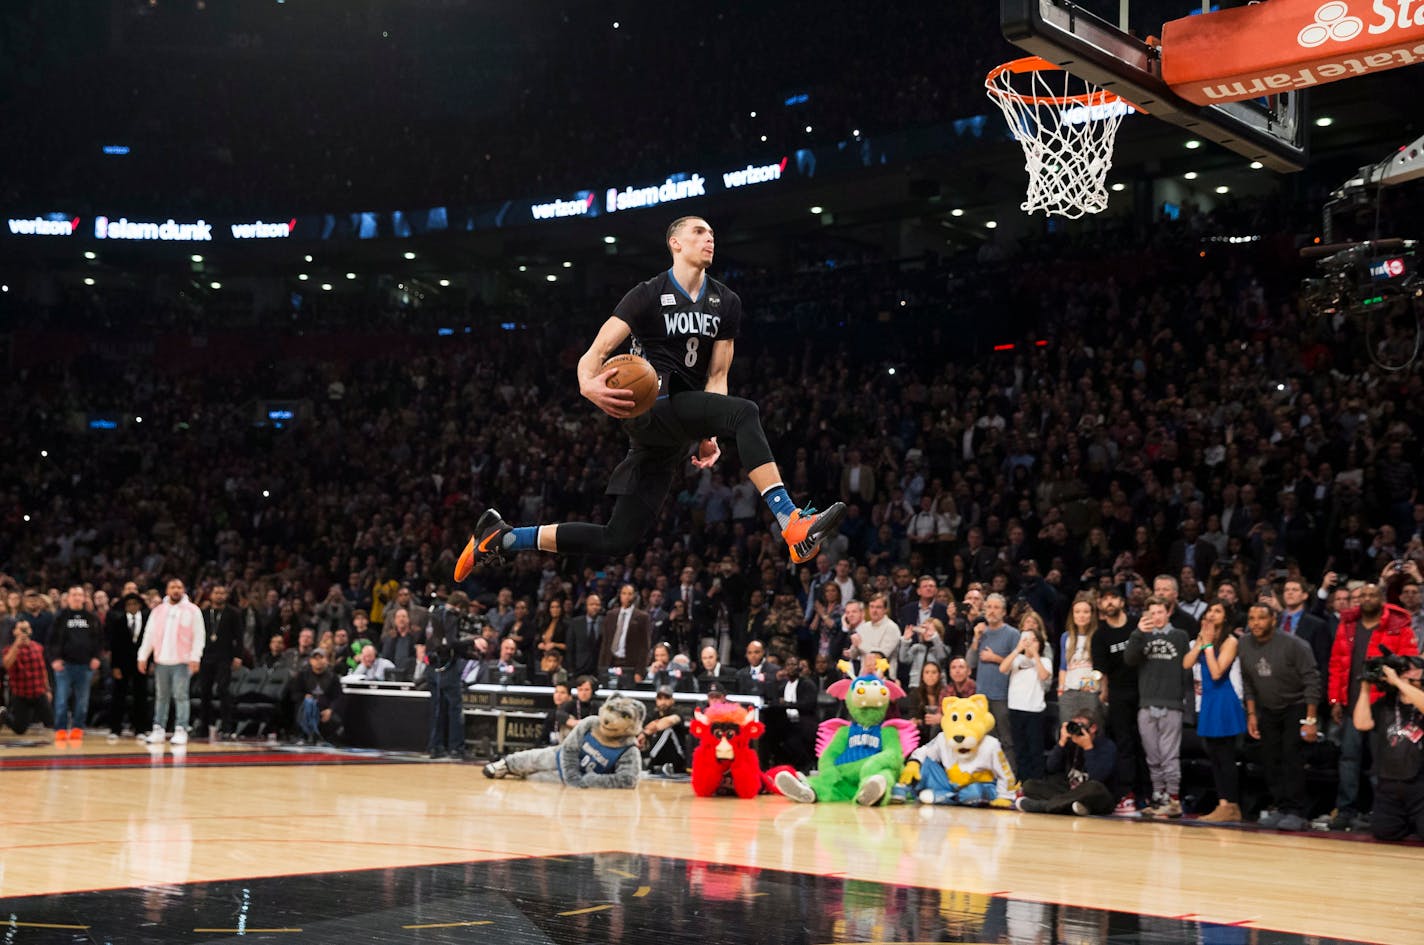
<point x="637" y="377"/>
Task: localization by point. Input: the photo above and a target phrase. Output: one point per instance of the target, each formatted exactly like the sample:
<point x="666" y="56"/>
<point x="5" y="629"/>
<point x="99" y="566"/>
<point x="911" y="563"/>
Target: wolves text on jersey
<point x="691" y="323"/>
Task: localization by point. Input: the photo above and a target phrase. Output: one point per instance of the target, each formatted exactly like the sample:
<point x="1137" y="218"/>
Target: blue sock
<point x="521" y="539"/>
<point x="779" y="501"/>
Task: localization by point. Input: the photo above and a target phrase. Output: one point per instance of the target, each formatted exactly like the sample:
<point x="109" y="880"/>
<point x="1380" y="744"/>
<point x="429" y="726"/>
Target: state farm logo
<point x="42" y="226"/>
<point x="1332" y="22"/>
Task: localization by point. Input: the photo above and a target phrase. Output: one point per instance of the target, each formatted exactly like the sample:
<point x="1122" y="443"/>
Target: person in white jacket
<point x="173" y="638"/>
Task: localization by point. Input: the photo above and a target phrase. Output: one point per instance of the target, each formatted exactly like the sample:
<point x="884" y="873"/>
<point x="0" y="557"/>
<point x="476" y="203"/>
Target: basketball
<point x="636" y="376"/>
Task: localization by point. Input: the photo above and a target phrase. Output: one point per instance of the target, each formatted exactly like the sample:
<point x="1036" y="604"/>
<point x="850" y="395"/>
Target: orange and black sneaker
<point x="808" y="528"/>
<point x="487" y="540"/>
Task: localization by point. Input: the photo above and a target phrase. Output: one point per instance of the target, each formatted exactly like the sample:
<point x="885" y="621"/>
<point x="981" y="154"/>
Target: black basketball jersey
<point x="675" y="332"/>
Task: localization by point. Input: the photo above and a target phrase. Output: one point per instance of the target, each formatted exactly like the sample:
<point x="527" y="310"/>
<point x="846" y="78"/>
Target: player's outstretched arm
<point x="593" y="380"/>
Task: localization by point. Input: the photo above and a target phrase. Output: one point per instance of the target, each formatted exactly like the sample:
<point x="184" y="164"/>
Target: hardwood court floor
<point x="150" y="820"/>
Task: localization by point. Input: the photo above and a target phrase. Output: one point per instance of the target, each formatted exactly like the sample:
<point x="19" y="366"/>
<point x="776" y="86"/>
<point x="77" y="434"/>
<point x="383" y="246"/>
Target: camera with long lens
<point x="1363" y="278"/>
<point x="1373" y="670"/>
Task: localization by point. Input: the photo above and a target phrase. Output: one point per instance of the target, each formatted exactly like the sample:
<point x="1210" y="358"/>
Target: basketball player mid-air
<point x="685" y="323"/>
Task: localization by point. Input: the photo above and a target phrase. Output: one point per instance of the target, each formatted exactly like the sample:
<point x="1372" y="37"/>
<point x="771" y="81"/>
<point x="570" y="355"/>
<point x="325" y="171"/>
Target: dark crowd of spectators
<point x="1168" y="410"/>
<point x="295" y="123"/>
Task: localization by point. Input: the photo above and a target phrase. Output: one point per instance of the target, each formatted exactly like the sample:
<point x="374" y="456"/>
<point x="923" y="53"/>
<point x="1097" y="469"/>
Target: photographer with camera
<point x="1393" y="708"/>
<point x="1080" y="769"/>
<point x="1365" y="631"/>
<point x="447" y="648"/>
<point x="30" y="696"/>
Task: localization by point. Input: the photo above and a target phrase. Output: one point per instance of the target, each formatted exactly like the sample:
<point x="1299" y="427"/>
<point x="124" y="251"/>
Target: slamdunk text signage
<point x="168" y="232"/>
<point x="629" y="198"/>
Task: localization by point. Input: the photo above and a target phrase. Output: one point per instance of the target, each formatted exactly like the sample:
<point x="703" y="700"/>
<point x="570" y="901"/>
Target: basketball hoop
<point x="1067" y="127"/>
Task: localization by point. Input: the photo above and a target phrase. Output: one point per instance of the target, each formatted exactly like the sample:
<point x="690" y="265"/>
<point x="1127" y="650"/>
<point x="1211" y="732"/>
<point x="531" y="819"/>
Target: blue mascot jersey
<point x="864" y="742"/>
<point x="596" y="757"/>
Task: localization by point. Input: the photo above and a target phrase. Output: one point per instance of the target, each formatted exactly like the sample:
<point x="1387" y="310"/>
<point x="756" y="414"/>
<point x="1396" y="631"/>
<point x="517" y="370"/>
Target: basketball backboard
<point x="1105" y="42"/>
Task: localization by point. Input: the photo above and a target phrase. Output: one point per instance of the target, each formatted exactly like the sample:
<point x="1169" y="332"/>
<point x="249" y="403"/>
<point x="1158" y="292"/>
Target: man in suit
<point x="753" y="678"/>
<point x="221" y="655"/>
<point x="627" y="636"/>
<point x="1296" y="620"/>
<point x="583" y="639"/>
<point x="694" y="599"/>
<point x="857" y="479"/>
<point x="919" y="611"/>
<point x="124" y="632"/>
<point x="790" y="717"/>
<point x="1191" y="551"/>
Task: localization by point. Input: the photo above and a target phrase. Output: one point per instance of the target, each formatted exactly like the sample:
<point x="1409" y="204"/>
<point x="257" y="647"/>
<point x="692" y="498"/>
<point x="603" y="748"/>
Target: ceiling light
<point x="523" y="268"/>
<point x="856" y="132"/>
<point x="304" y="277"/>
<point x="215" y="285"/>
<point x="408" y="254"/>
<point x="90" y="254"/>
<point x="196" y="258"/>
<point x="138" y="419"/>
<point x="445" y="283"/>
<point x="1223" y="189"/>
<point x="88" y="280"/>
<point x="1324" y="121"/>
<point x="1119" y="187"/>
<point x="615" y="24"/>
<point x="1193" y="144"/>
<point x="326" y="287"/>
<point x="351" y="275"/>
<point x="808" y="129"/>
<point x="990" y="225"/>
<point x="753" y="114"/>
<point x="817" y="209"/>
<point x="1190" y="175"/>
<point x="610" y="240"/>
<point x="763" y="137"/>
<point x="956" y="212"/>
<point x="568" y="265"/>
<point x="551" y="278"/>
<point x="307" y="257"/>
<point x="1256" y="165"/>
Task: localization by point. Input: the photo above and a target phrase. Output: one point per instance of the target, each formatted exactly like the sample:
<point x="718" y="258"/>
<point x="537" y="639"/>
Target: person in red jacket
<point x="1363" y="630"/>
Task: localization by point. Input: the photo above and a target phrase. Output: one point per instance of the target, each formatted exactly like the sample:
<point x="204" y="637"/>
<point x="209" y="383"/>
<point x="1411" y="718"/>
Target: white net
<point x="1067" y="127"/>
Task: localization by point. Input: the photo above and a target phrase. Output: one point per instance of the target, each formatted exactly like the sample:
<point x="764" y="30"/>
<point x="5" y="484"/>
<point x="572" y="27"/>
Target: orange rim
<point x="1030" y="64"/>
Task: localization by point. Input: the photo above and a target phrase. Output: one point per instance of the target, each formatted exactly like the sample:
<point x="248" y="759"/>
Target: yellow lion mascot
<point x="963" y="764"/>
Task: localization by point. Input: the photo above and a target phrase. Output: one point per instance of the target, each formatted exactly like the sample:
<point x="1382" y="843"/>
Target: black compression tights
<point x="690" y="416"/>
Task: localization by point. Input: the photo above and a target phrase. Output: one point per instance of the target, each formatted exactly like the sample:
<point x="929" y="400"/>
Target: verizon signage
<point x="630" y="198"/>
<point x="263" y="231"/>
<point x="169" y="232"/>
<point x="1268" y="48"/>
<point x="753" y="174"/>
<point x="43" y="226"/>
<point x="557" y="209"/>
